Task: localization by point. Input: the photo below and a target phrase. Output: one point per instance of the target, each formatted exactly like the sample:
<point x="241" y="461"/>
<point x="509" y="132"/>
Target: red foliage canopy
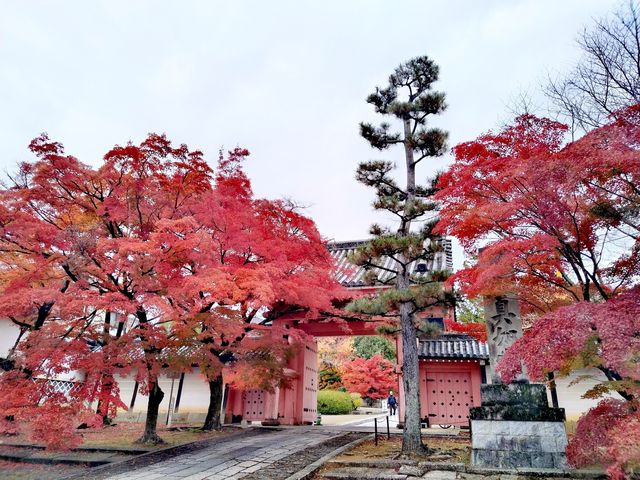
<point x="544" y="218"/>
<point x="557" y="224"/>
<point x="474" y="329"/>
<point x="149" y="262"/>
<point x="372" y="378"/>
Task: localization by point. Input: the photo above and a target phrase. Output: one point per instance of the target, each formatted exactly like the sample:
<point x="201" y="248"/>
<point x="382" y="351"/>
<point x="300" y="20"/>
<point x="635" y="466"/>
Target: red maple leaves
<point x="145" y="265"/>
<point x="557" y="224"/>
<point x="473" y="329"/>
<point x="372" y="378"/>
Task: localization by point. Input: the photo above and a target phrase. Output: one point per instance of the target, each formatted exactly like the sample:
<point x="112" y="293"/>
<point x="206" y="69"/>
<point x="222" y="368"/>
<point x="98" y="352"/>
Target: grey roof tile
<point x="453" y="346"/>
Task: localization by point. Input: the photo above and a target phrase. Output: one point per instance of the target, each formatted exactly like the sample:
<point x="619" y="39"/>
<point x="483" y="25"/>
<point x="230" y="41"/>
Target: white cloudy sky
<point x="285" y="79"/>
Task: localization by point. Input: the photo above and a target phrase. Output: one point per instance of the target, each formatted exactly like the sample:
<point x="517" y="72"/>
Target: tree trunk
<point x="107" y="379"/>
<point x="103" y="404"/>
<point x="213" y="421"/>
<point x="411" y="435"/>
<point x="155" y="398"/>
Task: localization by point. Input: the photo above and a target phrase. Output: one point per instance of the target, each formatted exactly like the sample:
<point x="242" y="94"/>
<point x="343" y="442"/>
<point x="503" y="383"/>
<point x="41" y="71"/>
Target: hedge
<point x="332" y="402"/>
<point x="356" y="399"/>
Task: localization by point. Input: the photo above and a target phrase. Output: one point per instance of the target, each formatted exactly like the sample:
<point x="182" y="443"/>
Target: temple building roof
<point x="452" y="346"/>
<point x="353" y="276"/>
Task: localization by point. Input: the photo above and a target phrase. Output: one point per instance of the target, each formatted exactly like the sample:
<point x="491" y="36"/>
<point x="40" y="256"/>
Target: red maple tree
<point x="141" y="267"/>
<point x="557" y="224"/>
<point x="372" y="378"/>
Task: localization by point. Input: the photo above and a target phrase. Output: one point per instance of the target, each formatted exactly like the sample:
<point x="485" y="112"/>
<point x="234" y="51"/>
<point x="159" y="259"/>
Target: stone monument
<point x="514" y="427"/>
<point x="504" y="326"/>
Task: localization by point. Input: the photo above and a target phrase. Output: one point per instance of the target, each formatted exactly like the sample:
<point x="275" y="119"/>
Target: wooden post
<point x="552" y="389"/>
<point x="375" y="429"/>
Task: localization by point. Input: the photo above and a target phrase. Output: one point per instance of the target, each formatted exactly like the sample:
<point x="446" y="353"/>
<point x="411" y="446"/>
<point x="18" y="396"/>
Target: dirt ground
<point x="451" y="450"/>
<point x="14" y="471"/>
<point x="124" y="434"/>
<point x="120" y="436"/>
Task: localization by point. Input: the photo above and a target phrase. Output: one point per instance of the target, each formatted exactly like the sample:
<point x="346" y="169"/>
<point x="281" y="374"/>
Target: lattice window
<point x="65" y="387"/>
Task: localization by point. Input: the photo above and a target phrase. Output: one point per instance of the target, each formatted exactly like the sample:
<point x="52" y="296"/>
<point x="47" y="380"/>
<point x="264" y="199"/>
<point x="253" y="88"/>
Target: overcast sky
<point x="287" y="80"/>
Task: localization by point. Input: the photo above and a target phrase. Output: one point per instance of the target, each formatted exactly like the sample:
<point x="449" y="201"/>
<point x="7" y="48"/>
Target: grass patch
<point x="124" y="434"/>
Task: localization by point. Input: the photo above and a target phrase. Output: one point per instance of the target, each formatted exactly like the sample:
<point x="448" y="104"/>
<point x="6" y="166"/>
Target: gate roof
<point x="454" y="346"/>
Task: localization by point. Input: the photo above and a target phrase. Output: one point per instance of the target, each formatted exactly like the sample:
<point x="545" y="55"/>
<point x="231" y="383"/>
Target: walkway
<point x="365" y="424"/>
<point x="235" y="458"/>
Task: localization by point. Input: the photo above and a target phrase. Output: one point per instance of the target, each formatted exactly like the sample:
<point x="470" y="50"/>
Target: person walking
<point x="392" y="403"/>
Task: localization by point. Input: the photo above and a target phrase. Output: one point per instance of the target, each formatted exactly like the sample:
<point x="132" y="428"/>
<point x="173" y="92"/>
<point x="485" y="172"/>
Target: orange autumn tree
<point x="276" y="261"/>
<point x="559" y="226"/>
<point x="113" y="271"/>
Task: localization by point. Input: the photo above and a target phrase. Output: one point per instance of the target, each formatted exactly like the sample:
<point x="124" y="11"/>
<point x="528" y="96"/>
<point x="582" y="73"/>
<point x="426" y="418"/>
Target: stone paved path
<point x="232" y="459"/>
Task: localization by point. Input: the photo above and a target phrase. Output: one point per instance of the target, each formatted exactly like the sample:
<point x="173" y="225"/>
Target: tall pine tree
<point x="409" y="99"/>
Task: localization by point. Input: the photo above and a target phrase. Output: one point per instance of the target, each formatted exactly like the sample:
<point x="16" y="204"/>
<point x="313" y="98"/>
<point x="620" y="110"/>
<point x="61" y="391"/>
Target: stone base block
<point x="512" y="444"/>
<point x="512" y="459"/>
<point x="533" y="394"/>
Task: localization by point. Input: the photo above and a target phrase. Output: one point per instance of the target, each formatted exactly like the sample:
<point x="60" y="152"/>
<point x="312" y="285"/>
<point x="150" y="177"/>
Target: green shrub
<point x="333" y="402"/>
<point x="356" y="399"/>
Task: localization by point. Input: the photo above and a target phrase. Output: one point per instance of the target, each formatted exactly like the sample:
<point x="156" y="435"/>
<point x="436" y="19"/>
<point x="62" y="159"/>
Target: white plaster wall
<point x="8" y="335"/>
<point x="195" y="393"/>
<point x="194" y="398"/>
<point x="570" y="397"/>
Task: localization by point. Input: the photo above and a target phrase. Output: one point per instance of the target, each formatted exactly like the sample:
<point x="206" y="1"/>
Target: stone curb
<point x="149" y="458"/>
<point x="126" y="451"/>
<point x="373" y="463"/>
<point x="539" y="472"/>
<point x="53" y="461"/>
<point x="461" y="468"/>
<point x="312" y="468"/>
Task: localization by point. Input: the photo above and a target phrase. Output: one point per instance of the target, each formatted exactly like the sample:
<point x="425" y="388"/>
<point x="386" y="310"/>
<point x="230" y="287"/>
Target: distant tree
<point x="607" y="77"/>
<point x="474" y="329"/>
<point x="372" y="378"/>
<point x="410" y="100"/>
<point x="469" y="310"/>
<point x="369" y="345"/>
<point x="329" y="377"/>
<point x="335" y="350"/>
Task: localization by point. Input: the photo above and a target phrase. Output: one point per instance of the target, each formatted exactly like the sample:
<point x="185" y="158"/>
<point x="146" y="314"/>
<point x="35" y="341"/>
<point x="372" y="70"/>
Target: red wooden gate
<point x="449" y="397"/>
<point x="253" y="405"/>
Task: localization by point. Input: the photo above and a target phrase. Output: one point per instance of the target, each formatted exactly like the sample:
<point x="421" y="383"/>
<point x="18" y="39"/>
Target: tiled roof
<point x="453" y="346"/>
<point x="352" y="276"/>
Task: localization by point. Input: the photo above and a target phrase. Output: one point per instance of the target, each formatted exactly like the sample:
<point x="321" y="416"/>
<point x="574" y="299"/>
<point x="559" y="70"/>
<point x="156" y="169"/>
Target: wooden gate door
<point x="253" y="405"/>
<point x="449" y="397"/>
<point x="310" y="395"/>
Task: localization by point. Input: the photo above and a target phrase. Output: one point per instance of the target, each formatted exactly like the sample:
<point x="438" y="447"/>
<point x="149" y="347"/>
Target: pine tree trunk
<point x="155" y="398"/>
<point x="213" y="421"/>
<point x="411" y="435"/>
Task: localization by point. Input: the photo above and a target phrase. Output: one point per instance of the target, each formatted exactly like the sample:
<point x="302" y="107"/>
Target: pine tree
<point x="410" y="99"/>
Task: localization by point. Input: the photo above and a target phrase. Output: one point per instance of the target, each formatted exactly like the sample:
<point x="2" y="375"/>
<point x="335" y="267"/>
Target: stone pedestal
<point x="515" y="427"/>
